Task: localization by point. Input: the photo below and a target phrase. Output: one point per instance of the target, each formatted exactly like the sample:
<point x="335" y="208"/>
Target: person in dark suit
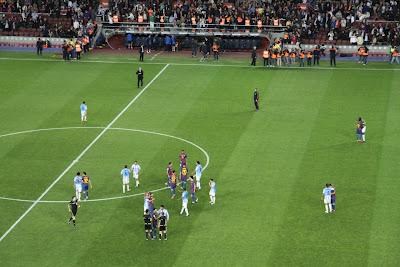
<point x="253" y="56"/>
<point x="256" y="98"/>
<point x="39" y="47"/>
<point x="141" y="52"/>
<point x="139" y="74"/>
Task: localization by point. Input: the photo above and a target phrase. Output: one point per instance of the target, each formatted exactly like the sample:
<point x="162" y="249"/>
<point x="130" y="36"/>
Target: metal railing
<point x="208" y="29"/>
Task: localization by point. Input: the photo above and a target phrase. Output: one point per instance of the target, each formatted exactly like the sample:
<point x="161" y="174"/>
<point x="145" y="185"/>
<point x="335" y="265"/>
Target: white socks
<point x="186" y="211"/>
<point x="137" y="182"/>
<point x="127" y="188"/>
<point x="198" y="185"/>
<point x="212" y="200"/>
<point x="328" y="208"/>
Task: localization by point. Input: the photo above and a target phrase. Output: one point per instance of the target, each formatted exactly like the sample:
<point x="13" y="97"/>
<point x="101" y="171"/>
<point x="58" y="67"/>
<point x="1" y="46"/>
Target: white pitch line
<point x="51" y="129"/>
<point x="110" y="129"/>
<point x="81" y="154"/>
<point x="155" y="55"/>
<point x="366" y="68"/>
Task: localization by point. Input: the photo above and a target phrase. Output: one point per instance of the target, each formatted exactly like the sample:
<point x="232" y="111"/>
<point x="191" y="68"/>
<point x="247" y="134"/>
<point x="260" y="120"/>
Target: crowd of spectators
<point x="50" y="18"/>
<point x="356" y="21"/>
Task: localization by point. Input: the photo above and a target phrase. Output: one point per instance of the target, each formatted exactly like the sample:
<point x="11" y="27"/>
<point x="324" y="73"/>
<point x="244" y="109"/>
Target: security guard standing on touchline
<point x="253" y="57"/>
<point x="332" y="56"/>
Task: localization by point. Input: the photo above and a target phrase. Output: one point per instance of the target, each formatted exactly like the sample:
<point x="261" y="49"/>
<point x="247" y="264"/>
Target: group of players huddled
<point x="157" y="220"/>
<point x="154" y="220"/>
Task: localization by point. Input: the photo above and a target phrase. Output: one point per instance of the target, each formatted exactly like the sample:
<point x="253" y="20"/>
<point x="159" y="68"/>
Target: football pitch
<point x="270" y="166"/>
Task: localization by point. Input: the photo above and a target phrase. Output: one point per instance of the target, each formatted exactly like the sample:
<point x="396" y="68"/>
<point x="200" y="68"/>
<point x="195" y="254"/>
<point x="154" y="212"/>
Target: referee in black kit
<point x="256" y="98"/>
<point x="73" y="206"/>
<point x="139" y="74"/>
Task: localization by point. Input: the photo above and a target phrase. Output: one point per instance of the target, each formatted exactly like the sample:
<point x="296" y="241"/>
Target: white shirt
<point x="199" y="169"/>
<point x="166" y="214"/>
<point x="213" y="188"/>
<point x="135" y="168"/>
<point x="78" y="181"/>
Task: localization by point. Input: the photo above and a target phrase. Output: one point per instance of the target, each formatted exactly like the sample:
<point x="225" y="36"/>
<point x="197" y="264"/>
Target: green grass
<point x="270" y="166"/>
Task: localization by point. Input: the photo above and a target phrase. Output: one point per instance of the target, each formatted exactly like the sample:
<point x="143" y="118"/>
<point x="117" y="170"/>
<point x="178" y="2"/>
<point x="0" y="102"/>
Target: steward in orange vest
<point x="364" y="55"/>
<point x="285" y="54"/>
<point x="273" y="58"/>
<point x="78" y="50"/>
<point x="266" y="56"/>
<point x="301" y="58"/>
<point x="395" y="56"/>
<point x="86" y="44"/>
<point x="360" y="53"/>
<point x="215" y="49"/>
<point x="309" y="58"/>
<point x="292" y="57"/>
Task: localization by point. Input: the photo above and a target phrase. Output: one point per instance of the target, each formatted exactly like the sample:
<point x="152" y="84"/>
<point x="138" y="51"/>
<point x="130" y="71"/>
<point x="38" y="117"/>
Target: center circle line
<point x="111" y="129"/>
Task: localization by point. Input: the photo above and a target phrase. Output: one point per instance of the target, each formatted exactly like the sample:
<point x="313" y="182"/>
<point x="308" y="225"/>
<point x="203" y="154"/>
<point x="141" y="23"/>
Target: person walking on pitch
<point x="185" y="200"/>
<point x="73" y="206"/>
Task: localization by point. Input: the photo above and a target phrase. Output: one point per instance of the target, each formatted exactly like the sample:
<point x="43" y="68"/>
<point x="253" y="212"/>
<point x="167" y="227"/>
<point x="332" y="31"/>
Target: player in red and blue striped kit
<point x="184" y="173"/>
<point x="193" y="190"/>
<point x="169" y="173"/>
<point x="182" y="159"/>
<point x="172" y="184"/>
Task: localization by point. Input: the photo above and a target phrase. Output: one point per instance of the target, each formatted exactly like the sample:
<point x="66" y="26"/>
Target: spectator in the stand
<point x="76" y="17"/>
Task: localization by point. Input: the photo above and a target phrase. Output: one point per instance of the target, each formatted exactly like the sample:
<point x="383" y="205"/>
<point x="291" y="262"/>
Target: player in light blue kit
<point x="198" y="171"/>
<point x="83" y="109"/>
<point x="125" y="179"/>
<point x="185" y="200"/>
<point x="78" y="185"/>
<point x="213" y="191"/>
<point x="326" y="195"/>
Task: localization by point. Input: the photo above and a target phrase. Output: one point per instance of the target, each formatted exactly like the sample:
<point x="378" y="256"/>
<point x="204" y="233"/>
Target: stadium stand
<point x="47" y="18"/>
<point x="241" y="23"/>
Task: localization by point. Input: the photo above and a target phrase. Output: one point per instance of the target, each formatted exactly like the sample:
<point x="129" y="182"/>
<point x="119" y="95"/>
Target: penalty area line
<point x="81" y="154"/>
